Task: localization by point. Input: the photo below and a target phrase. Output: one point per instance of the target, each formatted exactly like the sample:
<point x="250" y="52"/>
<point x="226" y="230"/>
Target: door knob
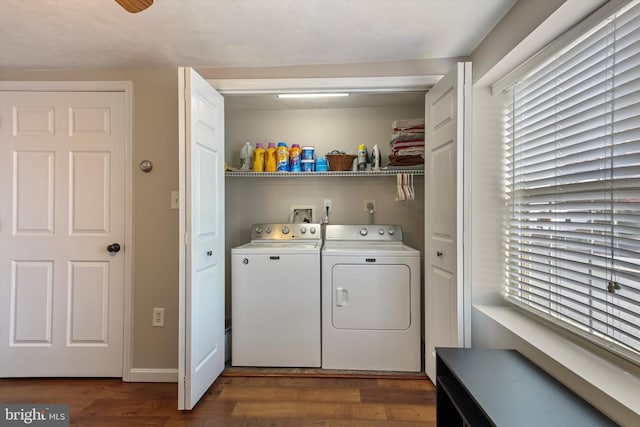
<point x="113" y="248"/>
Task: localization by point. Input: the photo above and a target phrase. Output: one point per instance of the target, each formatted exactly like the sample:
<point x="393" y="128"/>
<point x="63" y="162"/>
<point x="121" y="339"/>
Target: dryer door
<point x="371" y="296"/>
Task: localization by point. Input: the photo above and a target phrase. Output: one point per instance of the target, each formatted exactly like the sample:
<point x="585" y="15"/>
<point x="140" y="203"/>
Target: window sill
<point x="592" y="374"/>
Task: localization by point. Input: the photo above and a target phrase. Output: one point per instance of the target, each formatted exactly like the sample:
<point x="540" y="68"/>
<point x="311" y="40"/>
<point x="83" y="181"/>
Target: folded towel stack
<point x="407" y="142"/>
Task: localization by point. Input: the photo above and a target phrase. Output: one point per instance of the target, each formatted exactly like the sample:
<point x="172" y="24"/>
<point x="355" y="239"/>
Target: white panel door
<point x="202" y="249"/>
<point x="62" y="204"/>
<point x="447" y="112"/>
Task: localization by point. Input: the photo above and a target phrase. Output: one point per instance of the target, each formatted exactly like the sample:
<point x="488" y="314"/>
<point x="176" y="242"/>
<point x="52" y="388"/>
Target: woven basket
<point x="340" y="162"/>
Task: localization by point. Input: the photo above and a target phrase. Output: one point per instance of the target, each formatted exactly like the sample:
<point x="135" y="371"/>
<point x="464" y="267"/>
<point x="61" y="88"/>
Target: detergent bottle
<point x="294" y="158"/>
<point x="258" y="158"/>
<point x="270" y="162"/>
<point x="282" y="156"/>
<point x="246" y="157"/>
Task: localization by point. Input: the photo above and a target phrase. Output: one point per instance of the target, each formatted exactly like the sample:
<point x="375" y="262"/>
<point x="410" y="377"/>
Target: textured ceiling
<point x="82" y="34"/>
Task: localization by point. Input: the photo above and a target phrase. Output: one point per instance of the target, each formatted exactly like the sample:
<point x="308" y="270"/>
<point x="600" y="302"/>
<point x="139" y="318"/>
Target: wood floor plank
<point x="415" y="413"/>
<point x="140" y="406"/>
<point x="316" y="382"/>
<point x="398" y="397"/>
<point x="407" y="384"/>
<point x="291" y="393"/>
<point x="365" y="411"/>
<point x="99" y="421"/>
<point x="389" y="423"/>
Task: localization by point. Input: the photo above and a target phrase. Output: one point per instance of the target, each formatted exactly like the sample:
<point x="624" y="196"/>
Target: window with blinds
<point x="573" y="185"/>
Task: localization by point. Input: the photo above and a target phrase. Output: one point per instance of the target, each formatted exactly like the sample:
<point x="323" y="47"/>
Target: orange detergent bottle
<point x="270" y="161"/>
<point x="258" y="158"/>
<point x="282" y="157"/>
<point x="294" y="158"/>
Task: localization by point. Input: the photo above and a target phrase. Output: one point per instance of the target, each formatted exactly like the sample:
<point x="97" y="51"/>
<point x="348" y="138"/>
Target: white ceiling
<point x="90" y="34"/>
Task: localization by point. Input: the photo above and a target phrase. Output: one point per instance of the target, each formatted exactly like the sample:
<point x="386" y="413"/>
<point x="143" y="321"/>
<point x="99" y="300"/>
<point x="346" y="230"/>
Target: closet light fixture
<point x="311" y="95"/>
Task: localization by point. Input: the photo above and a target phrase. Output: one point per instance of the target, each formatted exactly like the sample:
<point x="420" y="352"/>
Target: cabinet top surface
<point x="511" y="390"/>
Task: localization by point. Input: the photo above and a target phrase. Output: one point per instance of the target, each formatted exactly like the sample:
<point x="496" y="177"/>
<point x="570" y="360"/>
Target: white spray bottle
<point x="375" y="158"/>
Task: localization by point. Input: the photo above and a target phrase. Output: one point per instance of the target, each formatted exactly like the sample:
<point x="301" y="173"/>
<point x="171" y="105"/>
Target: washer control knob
<point x="258" y="230"/>
<point x="303" y="230"/>
<point x="312" y="230"/>
<point x="267" y="230"/>
<point x="391" y="231"/>
<point x="285" y="230"/>
<point x="381" y="232"/>
<point x="364" y="232"/>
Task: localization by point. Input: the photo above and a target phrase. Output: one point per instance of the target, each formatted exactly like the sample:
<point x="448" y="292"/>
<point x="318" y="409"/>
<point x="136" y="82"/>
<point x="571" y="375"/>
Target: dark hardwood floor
<point x="237" y="401"/>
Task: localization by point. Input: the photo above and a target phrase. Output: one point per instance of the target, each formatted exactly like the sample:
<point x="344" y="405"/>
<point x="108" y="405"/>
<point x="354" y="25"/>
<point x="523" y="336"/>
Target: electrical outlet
<point x="328" y="204"/>
<point x="365" y="205"/>
<point x="158" y="316"/>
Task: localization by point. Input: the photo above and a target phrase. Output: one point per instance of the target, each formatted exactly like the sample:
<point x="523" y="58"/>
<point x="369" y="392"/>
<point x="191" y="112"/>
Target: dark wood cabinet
<point x="488" y="387"/>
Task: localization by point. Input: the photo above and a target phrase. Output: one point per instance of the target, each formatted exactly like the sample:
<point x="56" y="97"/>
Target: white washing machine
<point x="370" y="299"/>
<point x="275" y="297"/>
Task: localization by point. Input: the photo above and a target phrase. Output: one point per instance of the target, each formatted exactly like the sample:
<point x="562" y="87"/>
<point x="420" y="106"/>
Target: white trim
<point x="67" y="86"/>
<point x="127" y="344"/>
<point x="106" y="86"/>
<point x="182" y="231"/>
<point x="554" y="48"/>
<point x="351" y="84"/>
<point x="139" y="375"/>
<point x="464" y="240"/>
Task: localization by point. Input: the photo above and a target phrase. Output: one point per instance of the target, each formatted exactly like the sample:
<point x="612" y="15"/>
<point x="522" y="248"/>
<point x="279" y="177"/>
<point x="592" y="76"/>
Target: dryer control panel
<point x="377" y="233"/>
<point x="277" y="231"/>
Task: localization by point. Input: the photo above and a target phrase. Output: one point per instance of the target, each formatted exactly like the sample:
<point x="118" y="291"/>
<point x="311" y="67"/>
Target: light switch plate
<point x="158" y="316"/>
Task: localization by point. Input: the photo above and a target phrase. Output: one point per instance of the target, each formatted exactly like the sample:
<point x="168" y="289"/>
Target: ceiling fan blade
<point x="135" y="6"/>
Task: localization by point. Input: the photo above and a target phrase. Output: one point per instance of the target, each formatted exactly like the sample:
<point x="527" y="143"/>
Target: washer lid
<point x="266" y="247"/>
<point x="368" y="248"/>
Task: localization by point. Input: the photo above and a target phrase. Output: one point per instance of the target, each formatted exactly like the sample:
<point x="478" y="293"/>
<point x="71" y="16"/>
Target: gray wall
<point x="325" y="128"/>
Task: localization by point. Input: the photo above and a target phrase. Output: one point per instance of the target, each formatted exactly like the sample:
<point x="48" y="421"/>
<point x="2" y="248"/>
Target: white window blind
<point x="573" y="185"/>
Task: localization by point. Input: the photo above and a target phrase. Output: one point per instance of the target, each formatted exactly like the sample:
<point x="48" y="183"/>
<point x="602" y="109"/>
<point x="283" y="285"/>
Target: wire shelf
<point x="386" y="172"/>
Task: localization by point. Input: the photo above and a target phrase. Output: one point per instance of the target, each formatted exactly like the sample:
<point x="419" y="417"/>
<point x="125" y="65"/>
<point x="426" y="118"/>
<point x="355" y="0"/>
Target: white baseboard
<point x="137" y="375"/>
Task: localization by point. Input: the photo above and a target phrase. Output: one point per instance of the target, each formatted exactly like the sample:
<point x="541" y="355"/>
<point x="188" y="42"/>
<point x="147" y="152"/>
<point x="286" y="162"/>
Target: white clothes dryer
<point x="275" y="297"/>
<point x="370" y="299"/>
